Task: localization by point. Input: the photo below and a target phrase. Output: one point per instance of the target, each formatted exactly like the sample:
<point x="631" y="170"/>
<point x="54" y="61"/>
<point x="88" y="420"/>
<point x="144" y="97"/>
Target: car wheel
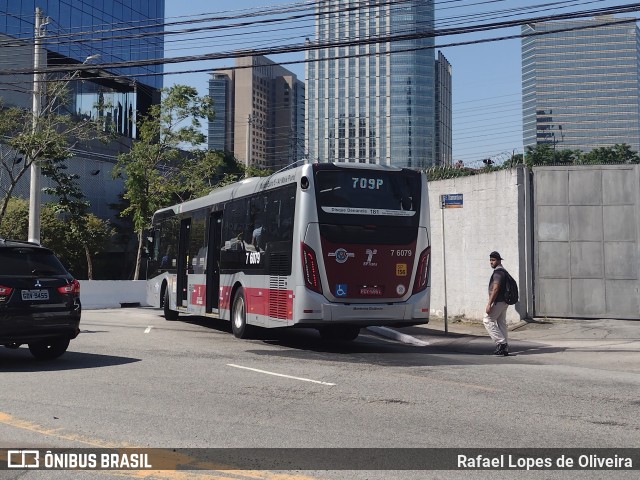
<point x="50" y="348"/>
<point x="168" y="313"/>
<point x="239" y="316"/>
<point x="341" y="333"/>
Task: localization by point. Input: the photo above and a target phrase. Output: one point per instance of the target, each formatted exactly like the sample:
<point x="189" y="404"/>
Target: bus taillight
<point x="422" y="273"/>
<point x="310" y="267"/>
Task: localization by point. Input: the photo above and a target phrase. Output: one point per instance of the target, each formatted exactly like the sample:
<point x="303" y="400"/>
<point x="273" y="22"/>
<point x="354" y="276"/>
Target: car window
<point x="29" y="261"/>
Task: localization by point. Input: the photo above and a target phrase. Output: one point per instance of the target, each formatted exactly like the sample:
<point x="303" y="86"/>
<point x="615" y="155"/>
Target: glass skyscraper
<point x="76" y="30"/>
<point x="220" y="130"/>
<point x="444" y="129"/>
<point x="111" y="31"/>
<point x="117" y="30"/>
<point x="370" y="100"/>
<point x="580" y="83"/>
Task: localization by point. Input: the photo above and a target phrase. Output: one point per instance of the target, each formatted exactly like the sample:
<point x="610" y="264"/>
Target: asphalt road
<point x="133" y="379"/>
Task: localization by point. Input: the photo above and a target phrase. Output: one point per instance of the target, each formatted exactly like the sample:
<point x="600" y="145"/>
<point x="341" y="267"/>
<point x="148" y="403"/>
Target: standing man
<point x="495" y="319"/>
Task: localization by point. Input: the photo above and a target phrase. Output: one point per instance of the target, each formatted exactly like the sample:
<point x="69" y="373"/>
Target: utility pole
<point x="34" y="186"/>
<point x="248" y="147"/>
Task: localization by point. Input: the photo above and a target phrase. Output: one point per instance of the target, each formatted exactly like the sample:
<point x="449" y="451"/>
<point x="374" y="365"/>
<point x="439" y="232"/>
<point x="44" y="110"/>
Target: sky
<point x="486" y="77"/>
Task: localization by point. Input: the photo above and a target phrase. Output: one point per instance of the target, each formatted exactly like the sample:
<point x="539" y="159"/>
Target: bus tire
<point x="340" y="333"/>
<point x="168" y="313"/>
<point x="239" y="315"/>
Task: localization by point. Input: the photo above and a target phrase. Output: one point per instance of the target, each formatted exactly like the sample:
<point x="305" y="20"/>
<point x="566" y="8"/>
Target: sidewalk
<point x="601" y="342"/>
<point x="548" y="329"/>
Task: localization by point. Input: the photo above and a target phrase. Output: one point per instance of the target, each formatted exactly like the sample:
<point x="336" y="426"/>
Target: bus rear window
<point x="365" y="196"/>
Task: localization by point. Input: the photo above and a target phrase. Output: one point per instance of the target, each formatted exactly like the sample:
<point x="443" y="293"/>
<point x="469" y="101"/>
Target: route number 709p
<point x="368" y="183"/>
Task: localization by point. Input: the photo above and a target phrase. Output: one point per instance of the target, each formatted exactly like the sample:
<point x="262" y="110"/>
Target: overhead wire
<point x="310" y="46"/>
<point x="173" y="73"/>
<point x="52" y="38"/>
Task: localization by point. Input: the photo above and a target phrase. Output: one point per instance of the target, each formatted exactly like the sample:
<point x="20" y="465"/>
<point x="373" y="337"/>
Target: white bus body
<point x="330" y="246"/>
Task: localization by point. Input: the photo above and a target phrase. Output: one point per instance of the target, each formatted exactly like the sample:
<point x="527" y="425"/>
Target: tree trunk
<point x="136" y="274"/>
<point x="89" y="263"/>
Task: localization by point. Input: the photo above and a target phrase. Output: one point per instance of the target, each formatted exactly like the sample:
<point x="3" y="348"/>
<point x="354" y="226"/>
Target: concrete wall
<point x="95" y="294"/>
<point x="587" y="241"/>
<point x="493" y="217"/>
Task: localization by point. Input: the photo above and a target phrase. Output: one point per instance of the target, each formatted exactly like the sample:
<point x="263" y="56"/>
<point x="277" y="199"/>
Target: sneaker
<point x="502" y="350"/>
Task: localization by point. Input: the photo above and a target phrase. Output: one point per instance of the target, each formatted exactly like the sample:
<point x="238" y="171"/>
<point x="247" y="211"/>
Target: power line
<point x="315" y="46"/>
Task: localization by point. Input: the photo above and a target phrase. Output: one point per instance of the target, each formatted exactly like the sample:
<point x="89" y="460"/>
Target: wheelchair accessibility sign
<point x="341" y="290"/>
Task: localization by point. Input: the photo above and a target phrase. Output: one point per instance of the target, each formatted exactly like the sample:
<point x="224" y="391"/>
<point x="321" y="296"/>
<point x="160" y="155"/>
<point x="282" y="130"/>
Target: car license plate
<point x="35" y="295"/>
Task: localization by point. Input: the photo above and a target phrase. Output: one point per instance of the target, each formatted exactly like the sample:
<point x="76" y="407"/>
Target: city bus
<point x="331" y="246"/>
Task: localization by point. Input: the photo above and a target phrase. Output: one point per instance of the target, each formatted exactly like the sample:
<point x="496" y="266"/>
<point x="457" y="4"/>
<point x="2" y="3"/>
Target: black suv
<point x="39" y="300"/>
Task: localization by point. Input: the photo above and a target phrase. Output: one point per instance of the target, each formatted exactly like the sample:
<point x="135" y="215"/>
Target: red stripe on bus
<point x="262" y="301"/>
<point x="225" y="298"/>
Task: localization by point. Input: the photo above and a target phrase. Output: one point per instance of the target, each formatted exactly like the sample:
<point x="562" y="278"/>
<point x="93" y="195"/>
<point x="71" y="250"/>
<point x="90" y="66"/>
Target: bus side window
<point x="234" y="229"/>
<point x="166" y="260"/>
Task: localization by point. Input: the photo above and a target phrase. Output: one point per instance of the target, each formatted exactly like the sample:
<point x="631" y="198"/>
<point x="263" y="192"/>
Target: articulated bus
<point x="335" y="247"/>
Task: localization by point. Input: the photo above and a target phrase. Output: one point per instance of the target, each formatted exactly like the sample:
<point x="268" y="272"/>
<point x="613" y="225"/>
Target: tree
<point x="619" y="153"/>
<point x="515" y="159"/>
<point x="202" y="171"/>
<point x="545" y="154"/>
<point x="93" y="234"/>
<point x="60" y="233"/>
<point x="48" y="138"/>
<point x="15" y="220"/>
<point x="86" y="229"/>
<point x="152" y="168"/>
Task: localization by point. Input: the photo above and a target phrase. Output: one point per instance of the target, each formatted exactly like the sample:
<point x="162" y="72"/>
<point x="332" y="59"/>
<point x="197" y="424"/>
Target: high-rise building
<point x="220" y="129"/>
<point x="444" y="128"/>
<point x="371" y="98"/>
<point x="259" y="113"/>
<point x="580" y="83"/>
<point x="90" y="32"/>
<point x="107" y="30"/>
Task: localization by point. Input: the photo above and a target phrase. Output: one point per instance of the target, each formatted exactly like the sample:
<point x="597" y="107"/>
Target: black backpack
<point x="510" y="293"/>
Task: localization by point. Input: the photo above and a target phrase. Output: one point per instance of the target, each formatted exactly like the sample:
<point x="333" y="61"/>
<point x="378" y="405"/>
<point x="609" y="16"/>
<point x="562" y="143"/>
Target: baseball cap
<point x="495" y="255"/>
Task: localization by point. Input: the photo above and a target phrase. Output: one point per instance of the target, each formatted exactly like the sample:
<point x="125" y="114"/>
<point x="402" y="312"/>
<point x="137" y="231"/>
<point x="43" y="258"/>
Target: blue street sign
<point x="451" y="200"/>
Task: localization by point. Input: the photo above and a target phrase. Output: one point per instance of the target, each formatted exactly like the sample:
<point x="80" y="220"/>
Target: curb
<point x="395" y="335"/>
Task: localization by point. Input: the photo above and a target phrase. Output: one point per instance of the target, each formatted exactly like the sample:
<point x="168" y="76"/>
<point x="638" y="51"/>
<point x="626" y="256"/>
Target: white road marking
<point x="280" y="374"/>
<point x="148" y="329"/>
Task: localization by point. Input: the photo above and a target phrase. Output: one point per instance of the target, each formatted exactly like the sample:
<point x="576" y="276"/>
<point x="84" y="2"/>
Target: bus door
<point x="183" y="263"/>
<point x="213" y="261"/>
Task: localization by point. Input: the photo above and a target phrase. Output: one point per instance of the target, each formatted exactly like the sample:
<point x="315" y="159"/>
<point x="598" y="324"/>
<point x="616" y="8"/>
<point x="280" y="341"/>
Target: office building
<point x="580" y="83"/>
<point x="259" y="113"/>
<point x="371" y="99"/>
<point x="444" y="128"/>
<point x="220" y="129"/>
<point x="90" y="32"/>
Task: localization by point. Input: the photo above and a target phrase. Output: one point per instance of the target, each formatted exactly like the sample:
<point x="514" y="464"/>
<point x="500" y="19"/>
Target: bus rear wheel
<point x="341" y="333"/>
<point x="168" y="313"/>
<point x="239" y="315"/>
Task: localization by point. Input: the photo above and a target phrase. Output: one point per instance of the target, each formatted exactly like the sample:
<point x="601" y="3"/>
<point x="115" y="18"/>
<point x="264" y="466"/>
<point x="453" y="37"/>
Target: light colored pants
<point x="496" y="322"/>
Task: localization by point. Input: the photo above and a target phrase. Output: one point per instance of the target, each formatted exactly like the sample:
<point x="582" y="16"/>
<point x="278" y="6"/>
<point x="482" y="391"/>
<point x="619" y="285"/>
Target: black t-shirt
<point x="499" y="276"/>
